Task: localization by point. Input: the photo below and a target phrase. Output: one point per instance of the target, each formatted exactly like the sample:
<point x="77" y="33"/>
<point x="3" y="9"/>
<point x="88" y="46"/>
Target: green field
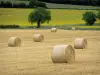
<point x="59" y="16"/>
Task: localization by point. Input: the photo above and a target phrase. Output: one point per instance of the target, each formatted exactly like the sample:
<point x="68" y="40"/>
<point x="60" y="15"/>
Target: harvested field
<point x="34" y="58"/>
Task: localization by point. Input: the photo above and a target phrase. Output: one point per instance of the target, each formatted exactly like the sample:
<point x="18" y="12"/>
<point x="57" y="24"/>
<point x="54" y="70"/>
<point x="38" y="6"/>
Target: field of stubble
<point x="34" y="58"/>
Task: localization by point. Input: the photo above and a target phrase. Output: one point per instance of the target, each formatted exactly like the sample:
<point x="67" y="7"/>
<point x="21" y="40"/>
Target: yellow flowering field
<point x="59" y="16"/>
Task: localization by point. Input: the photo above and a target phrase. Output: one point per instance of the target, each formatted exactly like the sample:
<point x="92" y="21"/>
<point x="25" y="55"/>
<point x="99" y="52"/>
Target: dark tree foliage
<point x="41" y="3"/>
<point x="5" y="4"/>
<point x="33" y="3"/>
<point x="36" y="3"/>
<point x="10" y="5"/>
<point x="77" y="2"/>
<point x="39" y="15"/>
<point x="98" y="15"/>
<point x="20" y="5"/>
<point x="89" y="18"/>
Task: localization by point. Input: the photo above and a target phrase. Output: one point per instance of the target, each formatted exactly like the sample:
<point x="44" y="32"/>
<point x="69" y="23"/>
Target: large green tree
<point x="39" y="15"/>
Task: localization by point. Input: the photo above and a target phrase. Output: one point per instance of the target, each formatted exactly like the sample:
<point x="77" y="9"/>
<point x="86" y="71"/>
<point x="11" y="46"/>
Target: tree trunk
<point x="38" y="24"/>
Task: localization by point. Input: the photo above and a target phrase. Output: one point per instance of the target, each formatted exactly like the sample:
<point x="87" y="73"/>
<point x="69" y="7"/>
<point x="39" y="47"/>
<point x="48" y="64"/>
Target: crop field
<point x="34" y="58"/>
<point x="59" y="16"/>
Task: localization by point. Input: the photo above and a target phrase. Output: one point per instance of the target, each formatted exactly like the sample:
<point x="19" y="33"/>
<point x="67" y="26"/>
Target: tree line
<point x="75" y="2"/>
<point x="41" y="3"/>
<point x="31" y="4"/>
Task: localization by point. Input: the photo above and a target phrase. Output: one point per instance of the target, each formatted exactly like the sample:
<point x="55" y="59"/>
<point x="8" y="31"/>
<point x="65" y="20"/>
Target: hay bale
<point x="80" y="43"/>
<point x="14" y="42"/>
<point x="38" y="38"/>
<point x="53" y="29"/>
<point x="73" y="28"/>
<point x="63" y="54"/>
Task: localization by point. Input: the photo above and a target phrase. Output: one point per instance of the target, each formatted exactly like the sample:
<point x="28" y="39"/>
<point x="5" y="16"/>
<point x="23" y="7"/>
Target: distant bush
<point x="89" y="18"/>
<point x="9" y="26"/>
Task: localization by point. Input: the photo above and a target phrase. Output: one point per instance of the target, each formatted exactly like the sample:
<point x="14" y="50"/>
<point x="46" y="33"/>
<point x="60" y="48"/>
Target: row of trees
<point x="36" y="3"/>
<point x="32" y="4"/>
<point x="41" y="15"/>
<point x="77" y="2"/>
<point x="40" y="3"/>
<point x="10" y="5"/>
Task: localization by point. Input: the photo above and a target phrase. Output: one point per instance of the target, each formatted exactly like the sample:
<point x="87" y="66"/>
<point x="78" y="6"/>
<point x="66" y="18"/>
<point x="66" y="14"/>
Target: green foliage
<point x="41" y="4"/>
<point x="89" y="18"/>
<point x="36" y="3"/>
<point x="39" y="15"/>
<point x="33" y="3"/>
<point x="75" y="2"/>
<point x="6" y="4"/>
<point x="98" y="15"/>
<point x="9" y="26"/>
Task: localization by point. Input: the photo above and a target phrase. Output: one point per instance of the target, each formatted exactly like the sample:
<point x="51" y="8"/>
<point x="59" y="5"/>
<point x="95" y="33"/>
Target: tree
<point x="98" y="15"/>
<point x="33" y="3"/>
<point x="89" y="18"/>
<point x="41" y="4"/>
<point x="22" y="5"/>
<point x="39" y="15"/>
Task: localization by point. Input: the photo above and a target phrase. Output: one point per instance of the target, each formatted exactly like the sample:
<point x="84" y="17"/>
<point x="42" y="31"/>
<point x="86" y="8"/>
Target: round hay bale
<point x="14" y="42"/>
<point x="38" y="38"/>
<point x="63" y="54"/>
<point x="73" y="28"/>
<point x="80" y="43"/>
<point x="53" y="29"/>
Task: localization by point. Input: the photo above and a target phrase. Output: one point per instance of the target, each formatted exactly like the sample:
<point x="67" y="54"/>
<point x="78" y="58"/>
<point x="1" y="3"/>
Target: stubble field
<point x="34" y="58"/>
